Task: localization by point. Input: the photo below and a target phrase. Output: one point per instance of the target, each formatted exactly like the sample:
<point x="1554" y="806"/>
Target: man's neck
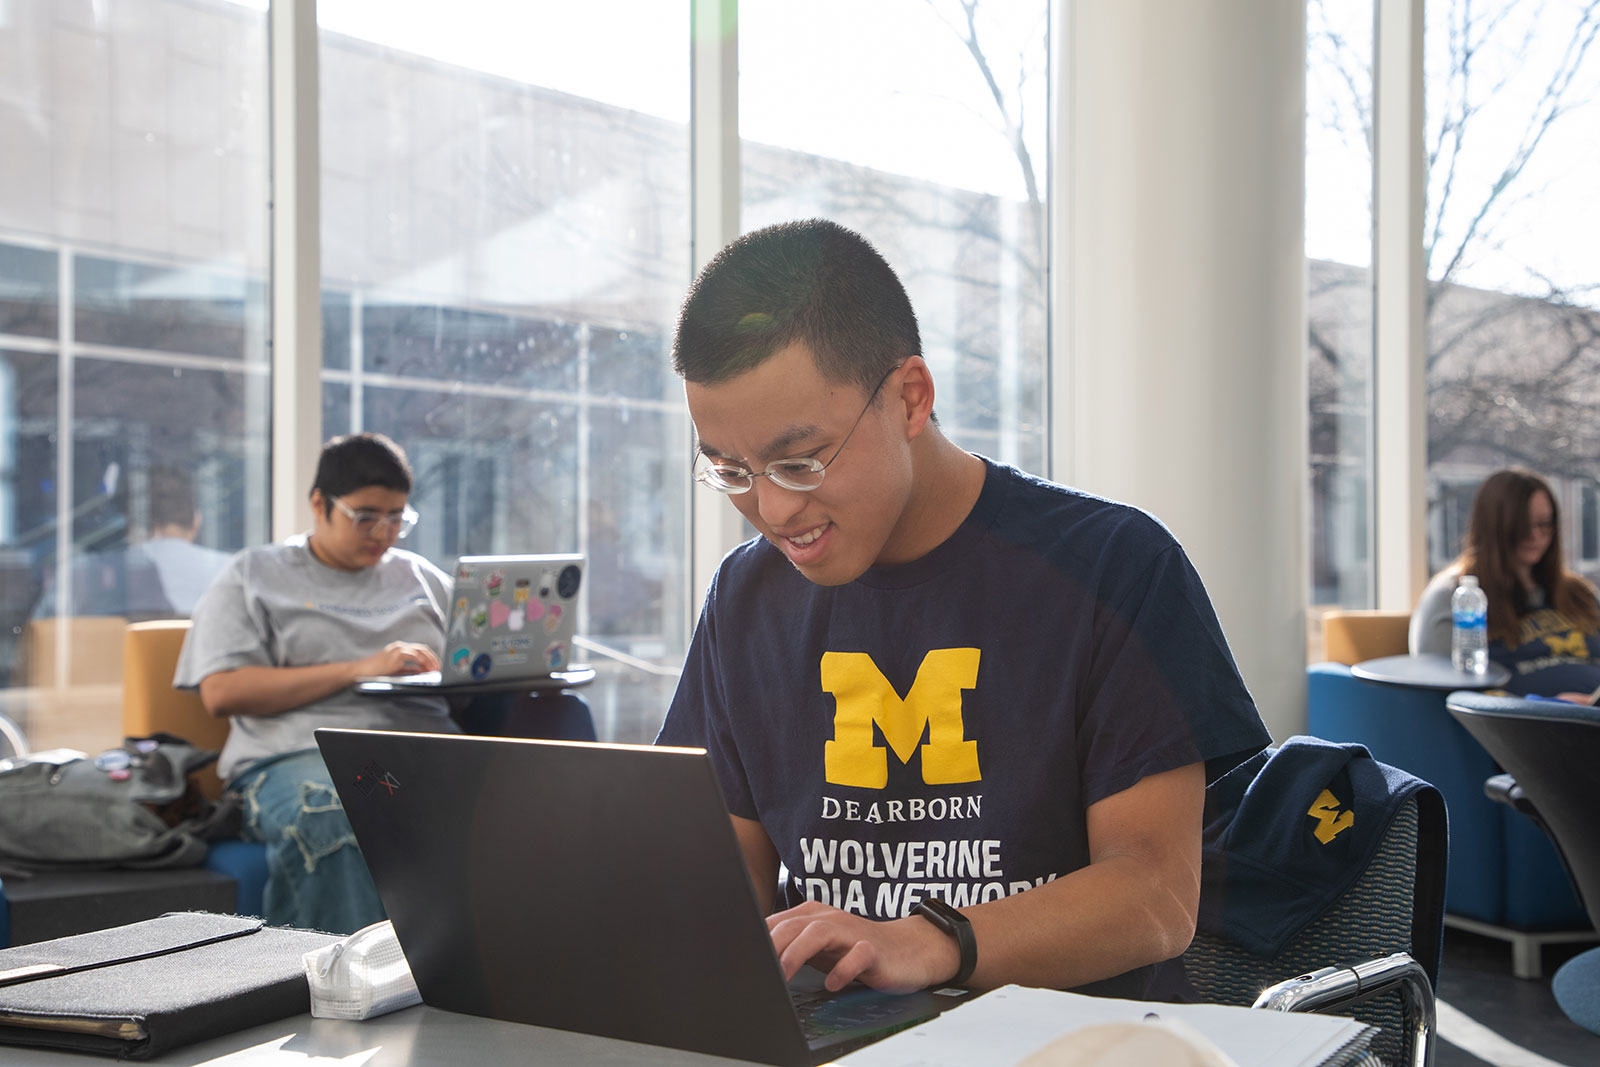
<point x="172" y="531"/>
<point x="947" y="483"/>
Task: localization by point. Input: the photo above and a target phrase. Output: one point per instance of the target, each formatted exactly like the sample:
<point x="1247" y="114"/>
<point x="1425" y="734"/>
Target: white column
<point x="1185" y="272"/>
<point x="296" y="265"/>
<point x="715" y="527"/>
<point x="1399" y="400"/>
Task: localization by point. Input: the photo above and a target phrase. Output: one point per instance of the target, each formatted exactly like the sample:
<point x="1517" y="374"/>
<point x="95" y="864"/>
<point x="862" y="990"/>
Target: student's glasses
<point x="801" y="474"/>
<point x="367" y="521"/>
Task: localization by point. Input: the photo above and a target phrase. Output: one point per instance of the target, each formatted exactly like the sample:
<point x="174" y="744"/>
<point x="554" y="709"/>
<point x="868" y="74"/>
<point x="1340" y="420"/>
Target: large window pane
<point x="190" y="309"/>
<point x="28" y="297"/>
<point x="133" y="288"/>
<point x="1513" y="250"/>
<point x="1339" y="298"/>
<point x="505" y="242"/>
<point x="28" y="402"/>
<point x="926" y="131"/>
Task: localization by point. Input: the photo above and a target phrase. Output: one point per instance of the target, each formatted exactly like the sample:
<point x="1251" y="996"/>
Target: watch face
<point x="941" y="914"/>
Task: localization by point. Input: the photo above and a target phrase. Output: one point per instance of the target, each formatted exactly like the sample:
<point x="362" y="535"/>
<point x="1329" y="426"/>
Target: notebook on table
<point x="511" y="619"/>
<point x="587" y="887"/>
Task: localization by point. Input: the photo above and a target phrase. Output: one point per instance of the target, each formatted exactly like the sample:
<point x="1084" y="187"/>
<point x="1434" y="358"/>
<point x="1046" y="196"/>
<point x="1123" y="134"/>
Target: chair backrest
<point x="1553" y="751"/>
<point x="149" y="702"/>
<point x="1375" y="917"/>
<point x="1284" y="831"/>
<point x="1349" y="637"/>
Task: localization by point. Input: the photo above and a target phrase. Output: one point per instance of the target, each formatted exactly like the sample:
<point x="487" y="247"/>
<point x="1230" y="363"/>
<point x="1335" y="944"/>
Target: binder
<point x="139" y="990"/>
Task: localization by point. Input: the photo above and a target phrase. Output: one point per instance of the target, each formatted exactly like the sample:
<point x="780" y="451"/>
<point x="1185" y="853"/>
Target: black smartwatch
<point x="956" y="925"/>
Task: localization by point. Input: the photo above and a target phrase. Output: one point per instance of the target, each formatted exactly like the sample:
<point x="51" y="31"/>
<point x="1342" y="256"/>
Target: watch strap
<point x="955" y="924"/>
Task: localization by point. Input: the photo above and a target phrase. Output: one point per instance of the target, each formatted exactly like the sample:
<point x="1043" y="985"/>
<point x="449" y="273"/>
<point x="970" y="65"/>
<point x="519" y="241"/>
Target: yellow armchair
<point x="149" y="702"/>
<point x="1349" y="637"/>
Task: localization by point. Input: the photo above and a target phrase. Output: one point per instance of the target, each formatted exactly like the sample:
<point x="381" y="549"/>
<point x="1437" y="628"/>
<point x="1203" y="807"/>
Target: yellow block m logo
<point x="1572" y="644"/>
<point x="1331" y="822"/>
<point x="864" y="696"/>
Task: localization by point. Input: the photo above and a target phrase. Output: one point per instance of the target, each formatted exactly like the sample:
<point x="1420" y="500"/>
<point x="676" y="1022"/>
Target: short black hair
<point x="358" y="460"/>
<point x="171" y="498"/>
<point x="812" y="282"/>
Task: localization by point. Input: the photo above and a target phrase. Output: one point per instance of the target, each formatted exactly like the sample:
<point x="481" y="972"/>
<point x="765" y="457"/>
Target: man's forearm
<point x="1098" y="922"/>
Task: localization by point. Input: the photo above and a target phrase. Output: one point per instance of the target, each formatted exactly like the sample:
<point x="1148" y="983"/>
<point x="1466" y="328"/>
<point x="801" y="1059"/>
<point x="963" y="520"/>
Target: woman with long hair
<point x="1544" y="620"/>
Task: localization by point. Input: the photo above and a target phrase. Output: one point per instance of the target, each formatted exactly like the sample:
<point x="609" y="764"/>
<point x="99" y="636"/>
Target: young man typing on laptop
<point x="934" y="677"/>
<point x="277" y="642"/>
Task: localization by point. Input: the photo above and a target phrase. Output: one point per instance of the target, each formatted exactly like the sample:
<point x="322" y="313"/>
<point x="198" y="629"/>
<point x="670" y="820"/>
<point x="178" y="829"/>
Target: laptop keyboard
<point x="823" y="1014"/>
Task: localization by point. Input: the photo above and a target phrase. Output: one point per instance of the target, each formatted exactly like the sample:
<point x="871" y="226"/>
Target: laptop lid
<point x="588" y="887"/>
<point x="510" y="618"/>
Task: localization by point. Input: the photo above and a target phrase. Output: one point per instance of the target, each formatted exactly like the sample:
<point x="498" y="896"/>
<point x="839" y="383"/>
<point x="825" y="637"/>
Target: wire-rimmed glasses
<point x="367" y="521"/>
<point x="801" y="474"/>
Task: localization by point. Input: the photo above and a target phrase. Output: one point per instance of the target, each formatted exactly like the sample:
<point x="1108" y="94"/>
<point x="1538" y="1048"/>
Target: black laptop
<point x="588" y="887"/>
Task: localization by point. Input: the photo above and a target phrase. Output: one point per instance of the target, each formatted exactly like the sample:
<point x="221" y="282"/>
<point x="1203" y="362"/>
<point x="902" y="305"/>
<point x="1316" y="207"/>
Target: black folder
<point x="138" y="990"/>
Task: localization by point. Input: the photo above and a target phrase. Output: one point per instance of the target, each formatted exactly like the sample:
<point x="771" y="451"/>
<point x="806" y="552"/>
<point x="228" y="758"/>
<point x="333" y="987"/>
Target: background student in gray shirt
<point x="277" y="642"/>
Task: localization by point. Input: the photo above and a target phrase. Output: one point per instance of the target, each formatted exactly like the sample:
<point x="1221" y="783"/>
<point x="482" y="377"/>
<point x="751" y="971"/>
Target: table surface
<point x="1428" y="671"/>
<point x="419" y="1036"/>
<point x="415" y="1037"/>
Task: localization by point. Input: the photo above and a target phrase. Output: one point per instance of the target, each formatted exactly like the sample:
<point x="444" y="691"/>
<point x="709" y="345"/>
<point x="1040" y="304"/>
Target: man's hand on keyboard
<point x="897" y="956"/>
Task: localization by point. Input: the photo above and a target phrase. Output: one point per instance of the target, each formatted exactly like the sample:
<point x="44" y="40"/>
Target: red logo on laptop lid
<point x="372" y="776"/>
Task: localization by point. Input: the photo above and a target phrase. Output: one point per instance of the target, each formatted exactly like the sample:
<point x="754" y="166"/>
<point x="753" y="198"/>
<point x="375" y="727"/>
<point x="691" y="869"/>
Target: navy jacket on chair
<point x="1289" y="830"/>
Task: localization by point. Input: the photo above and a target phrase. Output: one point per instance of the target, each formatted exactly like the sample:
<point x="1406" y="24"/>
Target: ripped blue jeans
<point x="316" y="878"/>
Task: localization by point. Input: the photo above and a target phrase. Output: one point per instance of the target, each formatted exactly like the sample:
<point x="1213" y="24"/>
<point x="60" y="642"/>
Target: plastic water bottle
<point x="1469" y="636"/>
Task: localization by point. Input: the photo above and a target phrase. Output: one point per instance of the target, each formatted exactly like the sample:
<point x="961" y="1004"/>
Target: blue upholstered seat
<point x="1502" y="871"/>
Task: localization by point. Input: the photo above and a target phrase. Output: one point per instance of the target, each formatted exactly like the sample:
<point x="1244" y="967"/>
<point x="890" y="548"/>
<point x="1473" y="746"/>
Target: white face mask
<point x="362" y="976"/>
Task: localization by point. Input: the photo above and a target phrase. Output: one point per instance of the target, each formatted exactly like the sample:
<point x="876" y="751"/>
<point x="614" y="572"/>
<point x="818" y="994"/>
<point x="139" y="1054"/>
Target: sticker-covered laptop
<point x="510" y="618"/>
<point x="587" y="887"/>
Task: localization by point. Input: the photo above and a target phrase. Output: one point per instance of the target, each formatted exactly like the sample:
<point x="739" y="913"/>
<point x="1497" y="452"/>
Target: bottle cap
<point x="1469" y="579"/>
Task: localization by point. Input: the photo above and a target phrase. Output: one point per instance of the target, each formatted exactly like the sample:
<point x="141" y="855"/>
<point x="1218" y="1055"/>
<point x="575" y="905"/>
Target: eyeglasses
<point x="1545" y="526"/>
<point x="366" y="521"/>
<point x="801" y="475"/>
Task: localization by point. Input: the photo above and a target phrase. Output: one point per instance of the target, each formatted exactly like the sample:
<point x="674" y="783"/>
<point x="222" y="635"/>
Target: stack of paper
<point x="1011" y="1023"/>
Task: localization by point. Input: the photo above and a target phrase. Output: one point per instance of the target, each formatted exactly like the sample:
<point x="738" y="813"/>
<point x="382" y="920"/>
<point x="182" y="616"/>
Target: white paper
<point x="1013" y="1022"/>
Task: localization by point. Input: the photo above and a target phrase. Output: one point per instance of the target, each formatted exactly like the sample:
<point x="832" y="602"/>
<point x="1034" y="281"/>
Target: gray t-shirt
<point x="278" y="606"/>
<point x="1430" y="622"/>
<point x="186" y="569"/>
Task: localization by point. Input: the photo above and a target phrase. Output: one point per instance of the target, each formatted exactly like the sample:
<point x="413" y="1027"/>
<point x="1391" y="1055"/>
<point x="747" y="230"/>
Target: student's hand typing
<point x="399" y="657"/>
<point x="897" y="956"/>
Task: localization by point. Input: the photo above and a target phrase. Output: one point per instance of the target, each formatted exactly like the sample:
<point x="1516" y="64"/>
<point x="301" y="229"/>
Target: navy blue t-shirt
<point x="940" y="728"/>
<point x="1553" y="655"/>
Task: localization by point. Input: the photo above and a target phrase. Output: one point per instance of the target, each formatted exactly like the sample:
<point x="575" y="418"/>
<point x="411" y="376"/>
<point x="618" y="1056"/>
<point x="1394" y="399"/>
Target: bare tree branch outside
<point x="1513" y="332"/>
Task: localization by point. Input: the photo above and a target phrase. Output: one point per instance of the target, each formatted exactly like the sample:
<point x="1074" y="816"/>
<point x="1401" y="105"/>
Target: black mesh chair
<point x="1551" y="752"/>
<point x="1373" y="953"/>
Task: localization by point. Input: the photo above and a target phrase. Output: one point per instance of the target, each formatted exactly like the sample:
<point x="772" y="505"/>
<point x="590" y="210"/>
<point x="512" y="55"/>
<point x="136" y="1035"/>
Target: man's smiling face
<point x="785" y="409"/>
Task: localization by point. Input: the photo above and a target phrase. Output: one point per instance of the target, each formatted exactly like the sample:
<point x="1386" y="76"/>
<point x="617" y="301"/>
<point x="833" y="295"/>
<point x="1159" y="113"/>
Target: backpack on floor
<point x="133" y="806"/>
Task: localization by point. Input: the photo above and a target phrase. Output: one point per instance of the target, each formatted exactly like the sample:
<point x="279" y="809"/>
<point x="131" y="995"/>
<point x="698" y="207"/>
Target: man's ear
<point x="915" y="393"/>
<point x="319" y="505"/>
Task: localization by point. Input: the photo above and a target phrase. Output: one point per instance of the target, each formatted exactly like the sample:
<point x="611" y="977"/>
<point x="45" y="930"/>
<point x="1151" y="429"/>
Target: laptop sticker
<point x="567" y="584"/>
